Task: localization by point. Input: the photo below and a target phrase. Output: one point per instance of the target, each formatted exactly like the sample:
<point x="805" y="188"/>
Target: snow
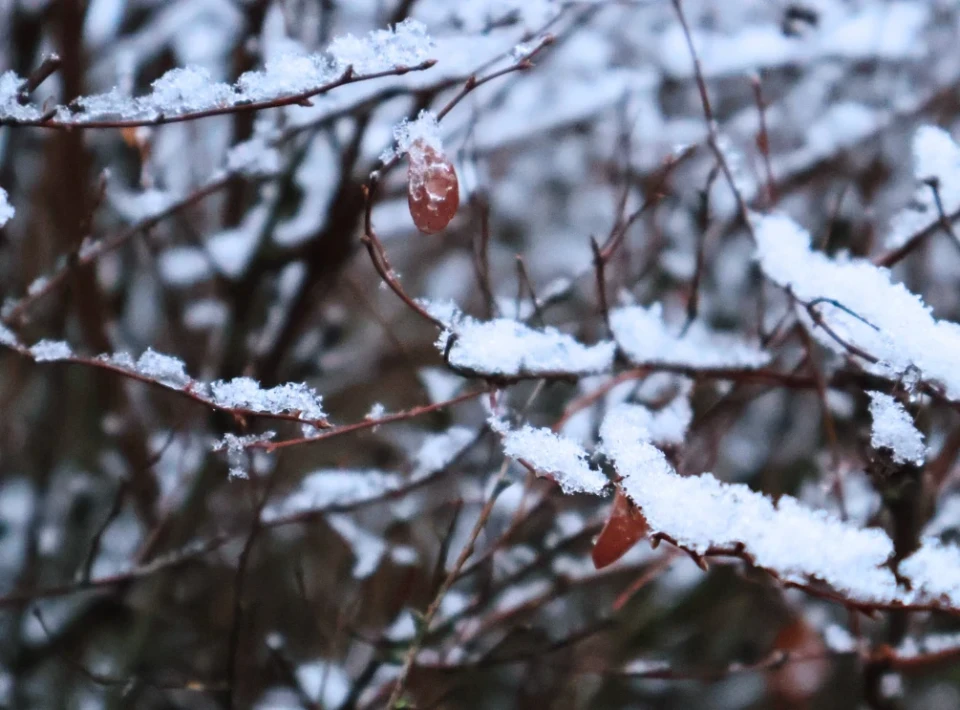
<point x="324" y="682"/>
<point x="166" y="369"/>
<point x="555" y="456"/>
<point x="893" y="429"/>
<point x="414" y="136"/>
<point x="338" y="488"/>
<point x="255" y="157"/>
<point x="291" y="397"/>
<point x="890" y="30"/>
<point x="508" y="348"/>
<point x="191" y="89"/>
<point x="891" y="324"/>
<point x="368" y="549"/>
<point x="701" y="513"/>
<point x="935" y="157"/>
<point x="934" y="570"/>
<point x="242" y="393"/>
<point x="785" y="537"/>
<point x="437" y="451"/>
<point x="667" y="426"/>
<point x="10" y="106"/>
<point x="334" y="488"/>
<point x="6" y="209"/>
<point x="646" y="339"/>
<point x="8" y="337"/>
<point x="838" y="639"/>
<point x="236" y="448"/>
<point x="51" y="350"/>
<point x="405" y="45"/>
<point x="931" y="643"/>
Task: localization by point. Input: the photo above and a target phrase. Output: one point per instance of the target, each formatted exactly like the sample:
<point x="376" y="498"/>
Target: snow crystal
<point x="509" y="348"/>
<point x="416" y="135"/>
<point x="406" y="45"/>
<point x="10" y="106"/>
<point x="890" y="323"/>
<point x="236" y="448"/>
<point x="646" y="339"/>
<point x="246" y="393"/>
<point x="166" y="369"/>
<point x="555" y="456"/>
<point x="893" y="429"/>
<point x="6" y="209"/>
<point x="49" y="350"/>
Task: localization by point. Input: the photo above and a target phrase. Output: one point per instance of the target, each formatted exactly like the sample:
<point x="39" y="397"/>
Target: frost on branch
<point x="508" y="348"/>
<point x="861" y="305"/>
<point x="554" y="456"/>
<point x="165" y="369"/>
<point x="893" y="429"/>
<point x="646" y="339"/>
<point x="191" y="89"/>
<point x="50" y="351"/>
<point x="291" y="397"/>
<point x="243" y="395"/>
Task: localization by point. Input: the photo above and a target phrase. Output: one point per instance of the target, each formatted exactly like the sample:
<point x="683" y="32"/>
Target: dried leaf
<point x="623" y="530"/>
<point x="433" y="192"/>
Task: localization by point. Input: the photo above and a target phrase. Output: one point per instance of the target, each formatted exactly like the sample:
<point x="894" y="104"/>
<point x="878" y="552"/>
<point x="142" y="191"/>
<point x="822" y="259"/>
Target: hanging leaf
<point x="625" y="527"/>
<point x="433" y="192"/>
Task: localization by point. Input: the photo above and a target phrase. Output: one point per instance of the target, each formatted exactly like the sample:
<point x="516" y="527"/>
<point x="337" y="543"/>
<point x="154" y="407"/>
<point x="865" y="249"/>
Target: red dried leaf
<point x="623" y="530"/>
<point x="433" y="192"/>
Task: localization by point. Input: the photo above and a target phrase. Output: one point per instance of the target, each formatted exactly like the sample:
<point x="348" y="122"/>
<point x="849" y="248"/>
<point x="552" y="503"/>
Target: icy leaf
<point x="433" y="193"/>
<point x="624" y="528"/>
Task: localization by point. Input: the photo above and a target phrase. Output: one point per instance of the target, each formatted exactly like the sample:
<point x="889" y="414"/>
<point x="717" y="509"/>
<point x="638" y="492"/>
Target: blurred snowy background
<point x="157" y="550"/>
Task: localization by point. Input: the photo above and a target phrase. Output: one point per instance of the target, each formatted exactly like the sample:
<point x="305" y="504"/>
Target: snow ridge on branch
<point x="187" y="93"/>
